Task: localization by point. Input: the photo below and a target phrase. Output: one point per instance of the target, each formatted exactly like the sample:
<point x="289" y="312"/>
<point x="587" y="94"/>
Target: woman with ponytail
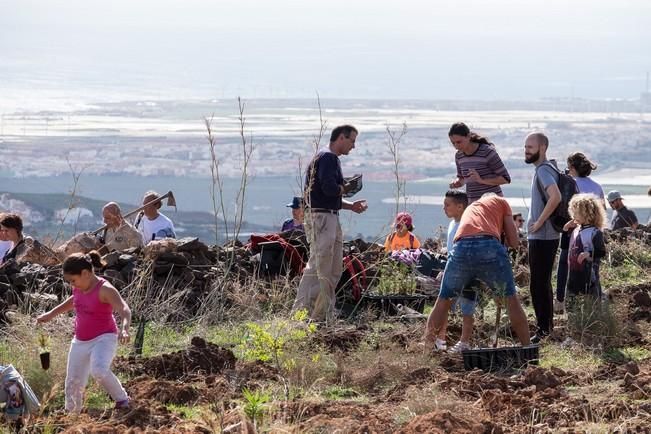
<point x="479" y="167"/>
<point x="96" y="333"/>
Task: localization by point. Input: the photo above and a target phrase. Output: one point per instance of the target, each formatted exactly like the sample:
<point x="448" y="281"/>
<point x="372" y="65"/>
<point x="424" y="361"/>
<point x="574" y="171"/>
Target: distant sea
<point x="266" y="198"/>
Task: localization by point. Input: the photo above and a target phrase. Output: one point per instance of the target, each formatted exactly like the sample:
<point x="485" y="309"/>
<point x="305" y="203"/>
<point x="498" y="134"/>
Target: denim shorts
<point x="465" y="305"/>
<point x="482" y="258"/>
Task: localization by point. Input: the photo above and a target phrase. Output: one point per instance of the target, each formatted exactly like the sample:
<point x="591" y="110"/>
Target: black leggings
<point x="541" y="263"/>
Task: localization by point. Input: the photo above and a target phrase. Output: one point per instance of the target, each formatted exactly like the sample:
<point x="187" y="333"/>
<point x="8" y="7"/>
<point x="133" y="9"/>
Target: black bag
<point x="568" y="188"/>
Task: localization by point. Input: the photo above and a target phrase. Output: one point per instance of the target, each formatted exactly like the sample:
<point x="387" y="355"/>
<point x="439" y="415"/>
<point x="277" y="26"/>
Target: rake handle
<point x="498" y="314"/>
<point x="137" y="210"/>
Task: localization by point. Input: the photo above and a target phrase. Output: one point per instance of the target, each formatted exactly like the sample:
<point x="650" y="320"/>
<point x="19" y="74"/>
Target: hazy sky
<point x="500" y="49"/>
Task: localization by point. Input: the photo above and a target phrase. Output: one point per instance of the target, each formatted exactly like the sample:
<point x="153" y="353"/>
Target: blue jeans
<point x="482" y="258"/>
<point x="465" y="305"/>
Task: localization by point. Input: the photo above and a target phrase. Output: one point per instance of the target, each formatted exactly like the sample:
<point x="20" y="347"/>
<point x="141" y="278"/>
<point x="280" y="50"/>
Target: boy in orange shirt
<point x="478" y="254"/>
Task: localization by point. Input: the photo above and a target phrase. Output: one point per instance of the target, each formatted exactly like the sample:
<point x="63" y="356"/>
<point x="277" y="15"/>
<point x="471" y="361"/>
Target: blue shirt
<point x="289" y="225"/>
<point x="588" y="185"/>
<point x="323" y="181"/>
<point x="452" y="231"/>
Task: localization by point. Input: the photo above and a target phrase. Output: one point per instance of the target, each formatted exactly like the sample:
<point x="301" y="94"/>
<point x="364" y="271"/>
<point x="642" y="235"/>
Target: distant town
<point x="165" y="138"/>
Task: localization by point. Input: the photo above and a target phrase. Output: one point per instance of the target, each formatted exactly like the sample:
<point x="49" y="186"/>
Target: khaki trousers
<point x="316" y="291"/>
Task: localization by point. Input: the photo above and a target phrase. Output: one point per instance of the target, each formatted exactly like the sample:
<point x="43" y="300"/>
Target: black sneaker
<point x="538" y="338"/>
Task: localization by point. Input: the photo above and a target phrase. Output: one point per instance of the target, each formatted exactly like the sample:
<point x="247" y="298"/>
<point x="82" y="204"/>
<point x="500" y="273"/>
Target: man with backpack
<point x="543" y="237"/>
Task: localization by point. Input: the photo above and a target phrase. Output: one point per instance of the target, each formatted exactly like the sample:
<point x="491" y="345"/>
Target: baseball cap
<point x="297" y="202"/>
<point x="613" y="196"/>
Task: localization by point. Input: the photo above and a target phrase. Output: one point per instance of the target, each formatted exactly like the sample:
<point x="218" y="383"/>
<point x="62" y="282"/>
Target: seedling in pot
<point x="44" y="350"/>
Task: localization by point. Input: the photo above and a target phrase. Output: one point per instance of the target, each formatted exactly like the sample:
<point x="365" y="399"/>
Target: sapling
<point x="44" y="350"/>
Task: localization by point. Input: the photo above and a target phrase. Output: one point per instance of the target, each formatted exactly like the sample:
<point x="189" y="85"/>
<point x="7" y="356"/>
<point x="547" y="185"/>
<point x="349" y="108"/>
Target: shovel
<point x="171" y="201"/>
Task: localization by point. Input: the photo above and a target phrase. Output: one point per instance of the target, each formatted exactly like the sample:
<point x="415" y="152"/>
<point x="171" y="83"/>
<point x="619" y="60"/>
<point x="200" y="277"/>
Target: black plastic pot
<point x="388" y="303"/>
<point x="45" y="360"/>
<point x="497" y="359"/>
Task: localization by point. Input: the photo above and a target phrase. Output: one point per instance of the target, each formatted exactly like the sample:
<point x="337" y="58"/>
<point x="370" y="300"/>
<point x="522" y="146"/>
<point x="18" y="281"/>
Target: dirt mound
<point x="340" y="416"/>
<point x="541" y="378"/>
<point x="444" y="422"/>
<point x="163" y="391"/>
<point x="343" y="339"/>
<point x="201" y="358"/>
<point x="142" y="417"/>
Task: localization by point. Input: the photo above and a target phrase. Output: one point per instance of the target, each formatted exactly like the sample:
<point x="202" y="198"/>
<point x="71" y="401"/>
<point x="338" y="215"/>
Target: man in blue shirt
<point x="324" y="191"/>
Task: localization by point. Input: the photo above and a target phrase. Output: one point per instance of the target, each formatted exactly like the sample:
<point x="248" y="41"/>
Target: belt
<point x="324" y="211"/>
<point x="479" y="237"/>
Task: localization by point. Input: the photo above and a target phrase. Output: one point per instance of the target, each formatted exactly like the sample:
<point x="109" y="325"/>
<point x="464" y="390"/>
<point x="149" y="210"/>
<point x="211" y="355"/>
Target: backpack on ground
<point x="568" y="188"/>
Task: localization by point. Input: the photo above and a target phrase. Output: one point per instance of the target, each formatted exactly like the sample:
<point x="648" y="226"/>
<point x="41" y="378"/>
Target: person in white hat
<point x="622" y="216"/>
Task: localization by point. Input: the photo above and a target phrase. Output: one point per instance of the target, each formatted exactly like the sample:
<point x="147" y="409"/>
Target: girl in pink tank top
<point x="96" y="333"/>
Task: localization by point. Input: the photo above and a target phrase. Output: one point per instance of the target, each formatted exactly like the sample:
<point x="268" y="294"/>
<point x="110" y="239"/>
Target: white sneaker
<point x="559" y="307"/>
<point x="440" y="345"/>
<point x="459" y="347"/>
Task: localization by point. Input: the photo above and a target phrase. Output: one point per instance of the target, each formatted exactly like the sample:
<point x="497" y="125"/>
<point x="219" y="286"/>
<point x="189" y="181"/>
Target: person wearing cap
<point x="296" y="222"/>
<point x="622" y="216"/>
<point x="402" y="237"/>
<point x="324" y="196"/>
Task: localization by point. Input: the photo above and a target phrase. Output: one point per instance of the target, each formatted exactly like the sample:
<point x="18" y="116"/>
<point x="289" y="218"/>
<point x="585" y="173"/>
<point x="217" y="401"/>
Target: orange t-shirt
<point x="396" y="242"/>
<point x="485" y="216"/>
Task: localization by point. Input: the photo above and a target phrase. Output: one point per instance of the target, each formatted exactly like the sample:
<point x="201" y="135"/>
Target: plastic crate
<point x="388" y="303"/>
<point x="496" y="359"/>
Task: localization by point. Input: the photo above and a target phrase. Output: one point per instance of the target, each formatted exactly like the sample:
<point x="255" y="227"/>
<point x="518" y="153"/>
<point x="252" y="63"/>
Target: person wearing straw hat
<point x="622" y="216"/>
<point x="296" y="222"/>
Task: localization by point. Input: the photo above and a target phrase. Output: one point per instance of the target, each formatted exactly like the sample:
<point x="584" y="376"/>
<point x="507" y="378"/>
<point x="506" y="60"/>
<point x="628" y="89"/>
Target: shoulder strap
<point x="540" y="188"/>
<point x="411" y="240"/>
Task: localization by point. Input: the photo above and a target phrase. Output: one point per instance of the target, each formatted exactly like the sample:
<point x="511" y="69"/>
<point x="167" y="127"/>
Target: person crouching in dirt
<point x="402" y="236"/>
<point x="119" y="234"/>
<point x="152" y="224"/>
<point x="96" y="336"/>
<point x="324" y="190"/>
<point x="478" y="254"/>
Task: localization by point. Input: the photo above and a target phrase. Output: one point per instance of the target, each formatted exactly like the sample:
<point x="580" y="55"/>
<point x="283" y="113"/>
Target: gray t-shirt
<point x="544" y="176"/>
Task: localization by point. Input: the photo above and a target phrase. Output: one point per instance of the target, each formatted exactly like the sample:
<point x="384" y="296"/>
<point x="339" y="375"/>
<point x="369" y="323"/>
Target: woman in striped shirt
<point x="479" y="167"/>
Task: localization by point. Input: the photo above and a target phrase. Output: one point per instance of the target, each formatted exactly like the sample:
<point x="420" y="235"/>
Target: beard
<point x="532" y="158"/>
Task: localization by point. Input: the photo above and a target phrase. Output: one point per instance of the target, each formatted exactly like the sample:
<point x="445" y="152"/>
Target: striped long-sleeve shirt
<point x="488" y="164"/>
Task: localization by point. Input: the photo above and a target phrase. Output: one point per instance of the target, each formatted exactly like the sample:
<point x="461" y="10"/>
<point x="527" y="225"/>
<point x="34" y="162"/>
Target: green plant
<point x="395" y="278"/>
<point x="340" y="392"/>
<point x="592" y="321"/>
<point x="269" y="341"/>
<point x="255" y="405"/>
<point x="626" y="354"/>
<point x="43" y="343"/>
<point x="189" y="413"/>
